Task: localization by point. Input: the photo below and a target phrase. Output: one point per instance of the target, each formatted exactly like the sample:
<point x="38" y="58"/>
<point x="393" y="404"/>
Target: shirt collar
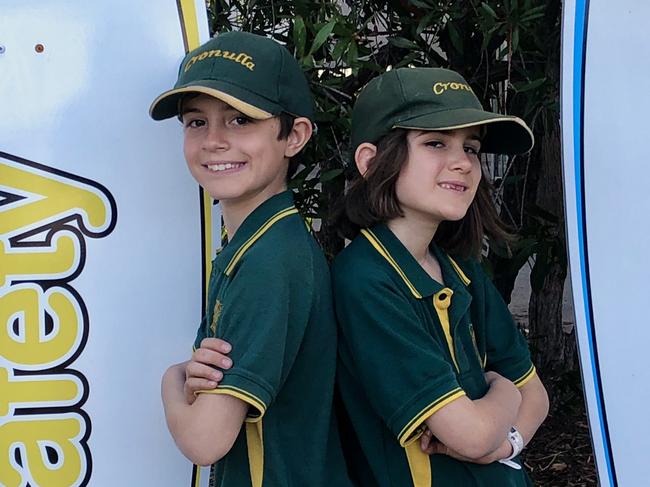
<point x="253" y="227"/>
<point x="414" y="276"/>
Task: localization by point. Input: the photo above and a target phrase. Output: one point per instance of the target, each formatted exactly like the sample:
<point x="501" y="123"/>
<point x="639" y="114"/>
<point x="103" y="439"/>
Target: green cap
<point x="251" y="73"/>
<point x="432" y="99"/>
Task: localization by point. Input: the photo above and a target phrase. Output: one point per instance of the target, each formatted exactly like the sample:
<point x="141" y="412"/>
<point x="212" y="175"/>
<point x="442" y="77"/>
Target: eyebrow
<point x="423" y="133"/>
<point x="185" y="111"/>
<point x="228" y="109"/>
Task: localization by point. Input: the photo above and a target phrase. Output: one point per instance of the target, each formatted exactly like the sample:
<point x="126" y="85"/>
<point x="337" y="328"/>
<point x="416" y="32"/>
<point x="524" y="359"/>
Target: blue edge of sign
<point x="579" y="60"/>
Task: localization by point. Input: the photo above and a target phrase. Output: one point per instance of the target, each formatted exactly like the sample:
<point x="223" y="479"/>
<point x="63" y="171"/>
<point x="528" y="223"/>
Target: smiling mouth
<point x="223" y="166"/>
<point x="453" y="187"/>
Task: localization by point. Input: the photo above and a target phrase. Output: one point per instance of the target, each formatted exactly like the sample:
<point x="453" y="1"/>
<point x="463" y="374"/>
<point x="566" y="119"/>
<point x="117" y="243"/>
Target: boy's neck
<point x="235" y="211"/>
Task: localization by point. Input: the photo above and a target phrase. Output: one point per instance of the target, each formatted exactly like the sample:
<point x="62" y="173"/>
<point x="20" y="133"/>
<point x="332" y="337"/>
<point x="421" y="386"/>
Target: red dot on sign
<point x="39" y="47"/>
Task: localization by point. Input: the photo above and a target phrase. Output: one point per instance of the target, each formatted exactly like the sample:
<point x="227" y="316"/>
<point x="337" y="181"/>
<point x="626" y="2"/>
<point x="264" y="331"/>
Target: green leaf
<point x="424" y="23"/>
<point x="487" y="37"/>
<point x="340" y="48"/>
<point x="523" y="87"/>
<point x="299" y="35"/>
<point x="329" y="175"/>
<point x="408" y="59"/>
<point x="420" y="4"/>
<point x="533" y="14"/>
<point x="353" y="54"/>
<point x="454" y="36"/>
<point x="307" y="62"/>
<point x="403" y="43"/>
<point x="515" y="39"/>
<point x="322" y="36"/>
<point x="488" y="10"/>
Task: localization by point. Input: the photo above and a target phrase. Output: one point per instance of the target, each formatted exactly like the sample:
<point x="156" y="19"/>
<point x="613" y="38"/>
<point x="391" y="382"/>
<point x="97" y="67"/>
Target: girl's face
<point x="441" y="176"/>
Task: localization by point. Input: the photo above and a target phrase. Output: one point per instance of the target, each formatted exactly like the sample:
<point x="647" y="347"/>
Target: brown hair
<point x="286" y="126"/>
<point x="371" y="199"/>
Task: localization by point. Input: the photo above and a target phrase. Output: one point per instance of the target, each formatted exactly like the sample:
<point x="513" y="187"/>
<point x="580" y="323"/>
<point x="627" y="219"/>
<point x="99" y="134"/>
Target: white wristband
<point x="517" y="441"/>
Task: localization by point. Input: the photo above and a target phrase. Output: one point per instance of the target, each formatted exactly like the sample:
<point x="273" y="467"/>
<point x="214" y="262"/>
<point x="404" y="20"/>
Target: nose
<point x="215" y="139"/>
<point x="461" y="161"/>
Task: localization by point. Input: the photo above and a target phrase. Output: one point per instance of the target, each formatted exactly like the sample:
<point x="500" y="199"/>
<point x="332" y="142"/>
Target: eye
<point x="241" y="120"/>
<point x="434" y="143"/>
<point x="472" y="150"/>
<point x="193" y="123"/>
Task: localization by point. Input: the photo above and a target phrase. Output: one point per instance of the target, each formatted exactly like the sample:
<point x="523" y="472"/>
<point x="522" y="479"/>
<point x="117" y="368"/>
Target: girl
<point x="436" y="378"/>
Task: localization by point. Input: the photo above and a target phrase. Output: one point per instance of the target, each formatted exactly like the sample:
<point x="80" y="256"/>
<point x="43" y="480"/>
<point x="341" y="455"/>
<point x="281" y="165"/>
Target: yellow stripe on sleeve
<point x="242" y="395"/>
<point x="407" y="433"/>
<point x="524" y="379"/>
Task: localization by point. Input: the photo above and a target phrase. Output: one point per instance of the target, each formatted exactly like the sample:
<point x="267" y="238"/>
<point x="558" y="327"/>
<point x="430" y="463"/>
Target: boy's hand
<point x="202" y="371"/>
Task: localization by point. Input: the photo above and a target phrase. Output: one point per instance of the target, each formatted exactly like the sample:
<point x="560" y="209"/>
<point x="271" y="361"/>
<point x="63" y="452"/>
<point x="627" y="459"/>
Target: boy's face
<point x="233" y="157"/>
<point x="442" y="173"/>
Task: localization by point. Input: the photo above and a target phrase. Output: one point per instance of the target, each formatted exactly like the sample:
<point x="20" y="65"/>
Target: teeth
<point x="452" y="186"/>
<point x="222" y="166"/>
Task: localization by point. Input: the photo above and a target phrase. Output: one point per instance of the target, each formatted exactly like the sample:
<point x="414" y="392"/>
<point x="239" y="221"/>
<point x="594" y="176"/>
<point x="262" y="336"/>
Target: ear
<point x="299" y="136"/>
<point x="363" y="156"/>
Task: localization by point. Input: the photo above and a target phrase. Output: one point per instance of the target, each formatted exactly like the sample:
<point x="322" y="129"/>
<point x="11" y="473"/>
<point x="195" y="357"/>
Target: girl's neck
<point x="415" y="234"/>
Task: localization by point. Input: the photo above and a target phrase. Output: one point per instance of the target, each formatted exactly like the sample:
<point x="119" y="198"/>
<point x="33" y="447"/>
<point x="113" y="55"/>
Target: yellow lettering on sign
<point x="53" y="390"/>
<point x="55" y="199"/>
<point x="23" y="307"/>
<point x="43" y="321"/>
<point x="58" y="260"/>
<point x="33" y="436"/>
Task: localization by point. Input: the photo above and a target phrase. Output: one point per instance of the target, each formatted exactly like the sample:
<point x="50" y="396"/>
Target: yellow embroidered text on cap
<point x="439" y="88"/>
<point x="241" y="58"/>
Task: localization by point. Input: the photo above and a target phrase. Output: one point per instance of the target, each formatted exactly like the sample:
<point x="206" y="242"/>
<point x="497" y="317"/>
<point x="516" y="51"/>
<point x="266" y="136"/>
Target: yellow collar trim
<point x="268" y="224"/>
<point x="460" y="272"/>
<point x="374" y="241"/>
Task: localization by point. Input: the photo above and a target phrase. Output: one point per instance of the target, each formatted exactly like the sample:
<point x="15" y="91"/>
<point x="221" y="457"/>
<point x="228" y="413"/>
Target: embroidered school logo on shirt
<point x="238" y="57"/>
<point x="215" y="317"/>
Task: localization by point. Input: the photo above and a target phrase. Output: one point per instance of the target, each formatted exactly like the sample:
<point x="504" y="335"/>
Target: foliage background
<point x="509" y="52"/>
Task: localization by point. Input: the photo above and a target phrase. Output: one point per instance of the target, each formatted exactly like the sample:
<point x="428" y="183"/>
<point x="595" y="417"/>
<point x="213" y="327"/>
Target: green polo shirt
<point x="407" y="347"/>
<point x="270" y="297"/>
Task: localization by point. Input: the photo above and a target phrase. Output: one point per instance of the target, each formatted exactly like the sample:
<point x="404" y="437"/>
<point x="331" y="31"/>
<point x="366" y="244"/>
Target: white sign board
<point x="605" y="103"/>
<point x="103" y="241"/>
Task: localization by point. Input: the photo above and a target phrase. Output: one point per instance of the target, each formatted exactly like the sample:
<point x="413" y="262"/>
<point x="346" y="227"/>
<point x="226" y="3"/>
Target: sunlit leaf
<point x="322" y="36"/>
<point x="299" y="35"/>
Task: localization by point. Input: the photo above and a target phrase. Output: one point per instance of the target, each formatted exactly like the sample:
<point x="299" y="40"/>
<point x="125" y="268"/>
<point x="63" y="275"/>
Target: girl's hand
<point x="431" y="446"/>
<point x="202" y="371"/>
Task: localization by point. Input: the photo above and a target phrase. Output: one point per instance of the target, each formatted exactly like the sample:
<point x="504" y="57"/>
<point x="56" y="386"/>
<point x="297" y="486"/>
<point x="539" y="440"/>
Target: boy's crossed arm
<point x="206" y="429"/>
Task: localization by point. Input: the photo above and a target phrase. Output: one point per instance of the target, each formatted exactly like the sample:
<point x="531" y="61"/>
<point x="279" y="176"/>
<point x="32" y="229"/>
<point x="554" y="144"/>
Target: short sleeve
<point x="388" y="347"/>
<point x="506" y="348"/>
<point x="264" y="314"/>
<point x="201" y="332"/>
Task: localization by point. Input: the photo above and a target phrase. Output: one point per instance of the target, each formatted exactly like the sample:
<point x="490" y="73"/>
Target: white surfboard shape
<point x="605" y="106"/>
<point x="105" y="241"/>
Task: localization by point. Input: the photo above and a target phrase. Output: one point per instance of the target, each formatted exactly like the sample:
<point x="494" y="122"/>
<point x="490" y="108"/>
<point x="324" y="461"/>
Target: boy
<point x="246" y="111"/>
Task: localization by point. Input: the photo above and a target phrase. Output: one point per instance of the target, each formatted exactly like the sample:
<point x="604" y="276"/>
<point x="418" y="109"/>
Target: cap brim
<point x="505" y="134"/>
<point x="167" y="104"/>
